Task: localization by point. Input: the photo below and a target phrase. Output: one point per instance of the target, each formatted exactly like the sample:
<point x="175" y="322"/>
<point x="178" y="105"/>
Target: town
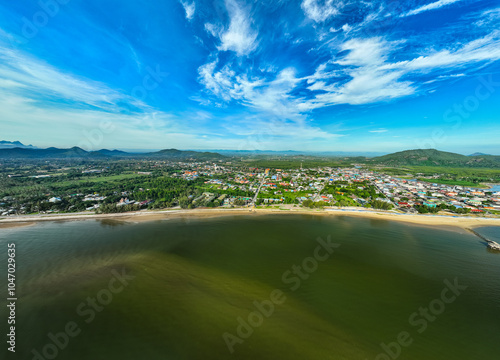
<point x="47" y="187"/>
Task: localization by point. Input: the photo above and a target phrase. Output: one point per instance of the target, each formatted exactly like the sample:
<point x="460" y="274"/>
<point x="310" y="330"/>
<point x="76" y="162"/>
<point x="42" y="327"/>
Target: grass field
<point x="454" y="182"/>
<point x="56" y="182"/>
<point x="98" y="179"/>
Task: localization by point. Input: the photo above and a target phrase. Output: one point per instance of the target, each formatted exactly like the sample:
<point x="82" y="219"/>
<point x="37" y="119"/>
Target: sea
<point x="281" y="286"/>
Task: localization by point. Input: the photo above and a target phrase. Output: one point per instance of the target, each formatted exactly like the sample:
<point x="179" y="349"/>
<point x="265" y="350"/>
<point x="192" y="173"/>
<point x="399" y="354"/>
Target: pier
<point x="492" y="245"/>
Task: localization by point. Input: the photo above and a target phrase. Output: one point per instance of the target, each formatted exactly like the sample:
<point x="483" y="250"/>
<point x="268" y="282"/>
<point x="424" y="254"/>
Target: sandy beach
<point x="463" y="222"/>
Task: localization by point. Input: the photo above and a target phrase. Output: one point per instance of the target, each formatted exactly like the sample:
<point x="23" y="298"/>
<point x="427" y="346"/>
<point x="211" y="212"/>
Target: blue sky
<point x="271" y="75"/>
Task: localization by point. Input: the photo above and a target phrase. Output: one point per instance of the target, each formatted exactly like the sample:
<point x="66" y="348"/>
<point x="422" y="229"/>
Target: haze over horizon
<point x="306" y="75"/>
<point x="13" y="144"/>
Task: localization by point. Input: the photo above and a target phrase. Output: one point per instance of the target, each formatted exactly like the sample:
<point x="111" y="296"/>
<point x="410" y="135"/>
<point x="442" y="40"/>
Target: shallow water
<point x="192" y="282"/>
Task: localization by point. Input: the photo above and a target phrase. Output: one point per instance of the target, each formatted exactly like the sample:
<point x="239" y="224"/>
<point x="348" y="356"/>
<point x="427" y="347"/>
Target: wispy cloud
<point x="268" y="96"/>
<point x="379" y="131"/>
<point x="362" y="75"/>
<point x="486" y="48"/>
<point x="239" y="36"/>
<point x="269" y="131"/>
<point x="250" y="65"/>
<point x="321" y="10"/>
<point x="367" y="80"/>
<point x="278" y="114"/>
<point x="489" y="17"/>
<point x="56" y="107"/>
<point x="431" y="6"/>
<point x="189" y="8"/>
<point x="374" y="78"/>
<point x="36" y="79"/>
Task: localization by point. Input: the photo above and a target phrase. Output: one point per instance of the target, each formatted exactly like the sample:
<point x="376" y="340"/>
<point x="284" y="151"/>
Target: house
<point x="55" y="199"/>
<point x="432" y="205"/>
<point x="124" y="201"/>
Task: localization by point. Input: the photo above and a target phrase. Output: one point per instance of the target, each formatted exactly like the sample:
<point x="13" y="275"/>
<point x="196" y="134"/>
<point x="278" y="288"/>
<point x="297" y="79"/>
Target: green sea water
<point x="182" y="288"/>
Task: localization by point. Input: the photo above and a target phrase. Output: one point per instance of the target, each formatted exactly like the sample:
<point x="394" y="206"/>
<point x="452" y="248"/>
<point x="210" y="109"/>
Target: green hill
<point x="433" y="157"/>
<point x="78" y="153"/>
<point x="180" y="155"/>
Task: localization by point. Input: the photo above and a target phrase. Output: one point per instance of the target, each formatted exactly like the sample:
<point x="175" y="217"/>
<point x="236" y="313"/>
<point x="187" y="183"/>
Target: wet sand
<point x="8" y="225"/>
<point x="463" y="222"/>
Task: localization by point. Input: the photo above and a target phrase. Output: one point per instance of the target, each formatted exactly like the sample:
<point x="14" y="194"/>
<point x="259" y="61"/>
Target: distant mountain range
<point x="418" y="157"/>
<point x="433" y="157"/>
<point x="295" y="153"/>
<point x="478" y="154"/>
<point x="79" y="153"/>
<point x="4" y="144"/>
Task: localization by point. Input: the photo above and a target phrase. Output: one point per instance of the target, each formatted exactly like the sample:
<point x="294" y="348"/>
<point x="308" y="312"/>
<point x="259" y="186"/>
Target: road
<point x="252" y="204"/>
<point x="317" y="197"/>
<point x="382" y="192"/>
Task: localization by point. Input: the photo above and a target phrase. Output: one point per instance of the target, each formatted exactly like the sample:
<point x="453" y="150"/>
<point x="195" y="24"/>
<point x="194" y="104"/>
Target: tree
<point x="184" y="202"/>
<point x="383" y="205"/>
<point x="308" y="203"/>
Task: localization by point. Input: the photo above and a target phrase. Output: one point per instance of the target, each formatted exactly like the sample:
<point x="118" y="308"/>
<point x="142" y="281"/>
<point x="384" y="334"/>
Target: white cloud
<point x="270" y="97"/>
<point x="373" y="78"/>
<point x="346" y="28"/>
<point x="23" y="73"/>
<point x="278" y="115"/>
<point x="25" y="119"/>
<point x="213" y="29"/>
<point x="486" y="48"/>
<point x="239" y="36"/>
<point x="47" y="106"/>
<point x="431" y="6"/>
<point x="189" y="8"/>
<point x="220" y="82"/>
<point x="488" y="17"/>
<point x="362" y="74"/>
<point x="321" y="10"/>
<point x="370" y="51"/>
<point x="366" y="86"/>
<point x="367" y="81"/>
<point x="259" y="130"/>
<point x="451" y="76"/>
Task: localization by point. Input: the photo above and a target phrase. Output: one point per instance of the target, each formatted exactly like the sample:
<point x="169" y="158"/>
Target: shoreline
<point x="463" y="222"/>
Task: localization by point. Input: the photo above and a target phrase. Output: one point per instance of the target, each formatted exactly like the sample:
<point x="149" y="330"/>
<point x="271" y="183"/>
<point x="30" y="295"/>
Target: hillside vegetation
<point x="79" y="153"/>
<point x="433" y="157"/>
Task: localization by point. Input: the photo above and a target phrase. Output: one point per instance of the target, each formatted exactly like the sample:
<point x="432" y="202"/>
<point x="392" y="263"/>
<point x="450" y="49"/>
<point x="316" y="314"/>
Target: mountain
<point x="174" y="154"/>
<point x="4" y="144"/>
<point x="433" y="157"/>
<point x="78" y="153"/>
<point x="49" y="153"/>
<point x="478" y="154"/>
<point x="117" y="153"/>
<point x="295" y="153"/>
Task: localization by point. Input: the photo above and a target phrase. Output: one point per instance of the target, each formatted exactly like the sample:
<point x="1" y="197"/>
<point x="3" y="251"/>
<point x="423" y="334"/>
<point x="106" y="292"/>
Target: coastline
<point x="463" y="222"/>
